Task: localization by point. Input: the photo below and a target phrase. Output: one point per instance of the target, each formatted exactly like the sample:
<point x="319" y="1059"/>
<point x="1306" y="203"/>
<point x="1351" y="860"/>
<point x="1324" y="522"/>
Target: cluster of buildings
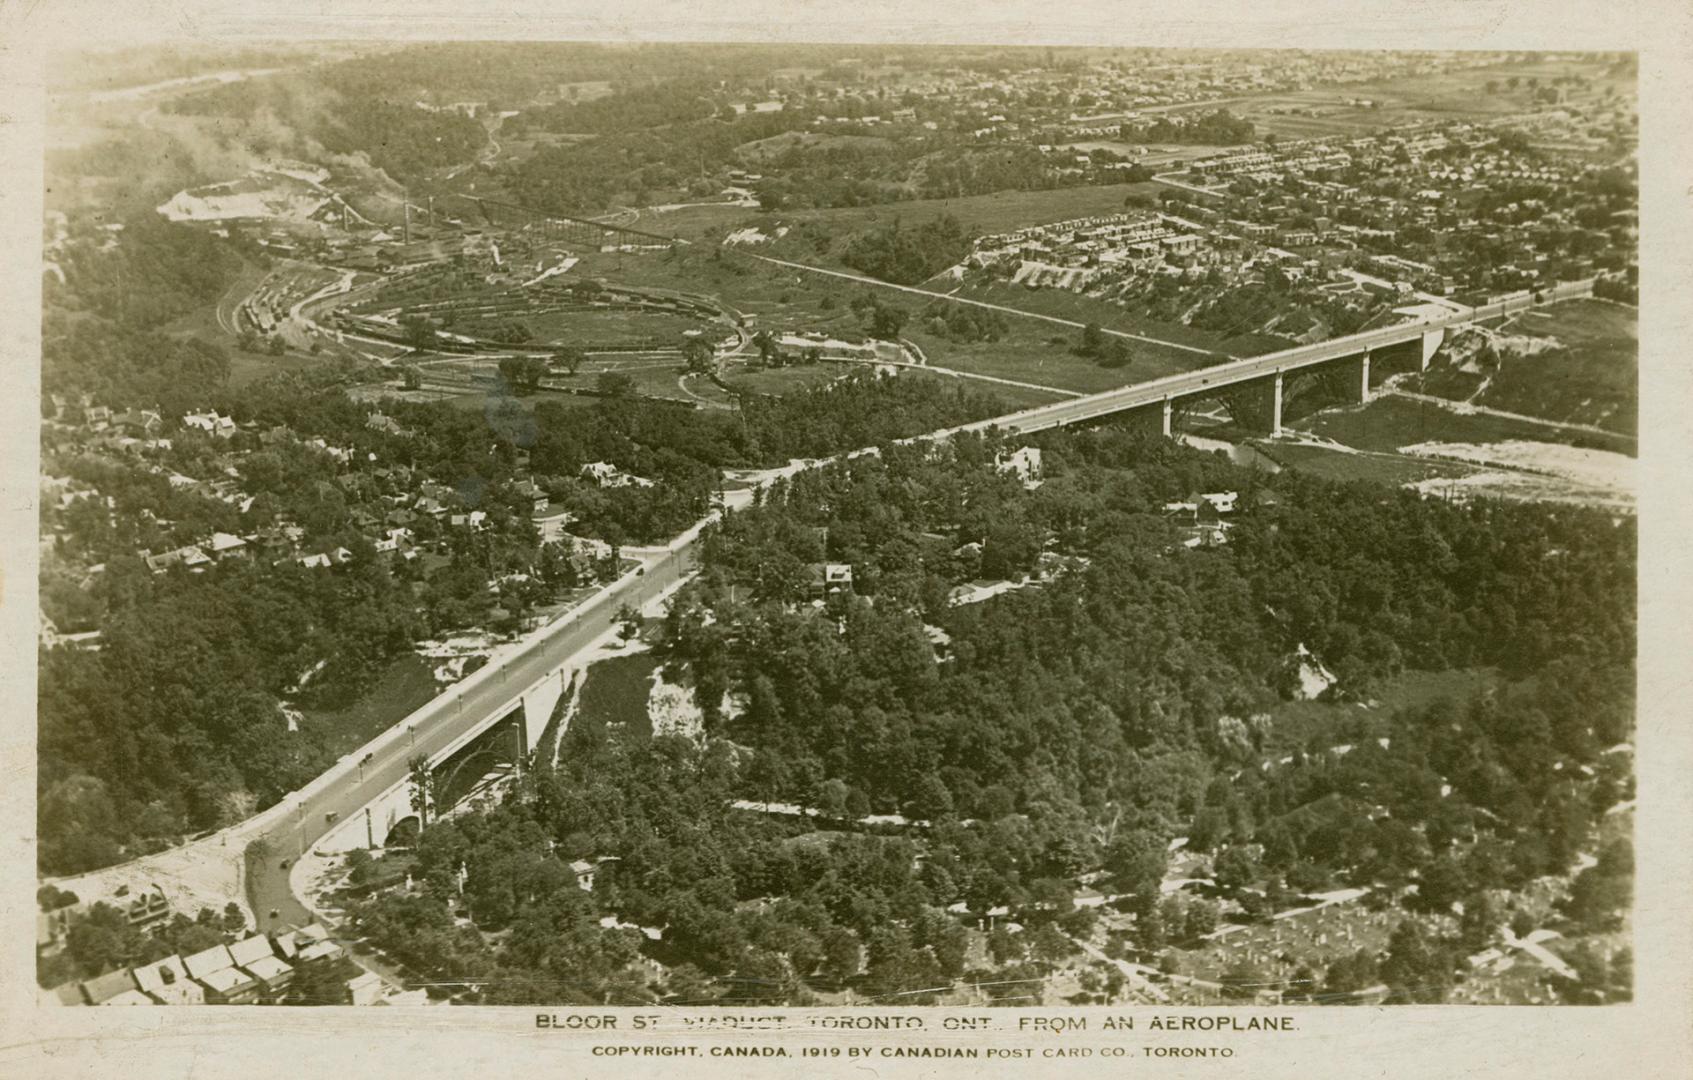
<point x="397" y="509"/>
<point x="1458" y="207"/>
<point x="254" y="969"/>
<point x="1087" y="247"/>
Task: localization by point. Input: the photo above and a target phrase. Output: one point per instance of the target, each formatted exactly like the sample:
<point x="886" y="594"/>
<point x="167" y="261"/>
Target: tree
<point x="1416" y="969"/>
<point x="698" y="354"/>
<point x="1114" y="354"/>
<point x="1092" y="340"/>
<point x="1236" y="868"/>
<point x="628" y="622"/>
<point x="523" y="372"/>
<point x="616" y="384"/>
<point x="419" y="331"/>
<point x="769" y="351"/>
<point x="886" y="321"/>
<point x="1136" y="861"/>
<point x="569" y="358"/>
<point x="411" y="376"/>
<point x="422" y="787"/>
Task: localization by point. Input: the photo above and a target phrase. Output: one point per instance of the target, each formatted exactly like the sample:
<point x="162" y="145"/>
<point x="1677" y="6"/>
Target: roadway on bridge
<point x="1208" y="380"/>
<point x="345" y="789"/>
<point x="449" y="716"/>
<point x="433" y="728"/>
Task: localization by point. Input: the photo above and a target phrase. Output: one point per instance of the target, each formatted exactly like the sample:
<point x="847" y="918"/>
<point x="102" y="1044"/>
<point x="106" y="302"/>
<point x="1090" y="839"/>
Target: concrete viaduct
<point x="1255" y="389"/>
<point x="506" y="705"/>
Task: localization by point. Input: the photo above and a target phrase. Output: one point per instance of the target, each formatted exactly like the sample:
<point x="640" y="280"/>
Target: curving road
<point x="290" y="828"/>
<point x="297" y="822"/>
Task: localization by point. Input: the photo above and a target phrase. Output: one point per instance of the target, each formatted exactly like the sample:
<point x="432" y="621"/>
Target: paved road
<point x="302" y="819"/>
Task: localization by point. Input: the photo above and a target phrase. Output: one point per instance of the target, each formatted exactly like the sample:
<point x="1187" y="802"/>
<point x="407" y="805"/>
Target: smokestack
<point x="431" y="211"/>
<point x="406" y="203"/>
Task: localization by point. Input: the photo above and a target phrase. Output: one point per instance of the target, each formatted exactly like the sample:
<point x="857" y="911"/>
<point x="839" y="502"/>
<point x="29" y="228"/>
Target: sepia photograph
<point x="719" y="526"/>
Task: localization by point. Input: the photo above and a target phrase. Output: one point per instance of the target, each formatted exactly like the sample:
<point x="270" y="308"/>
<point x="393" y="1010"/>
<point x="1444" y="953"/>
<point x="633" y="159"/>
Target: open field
<point x="404" y="686"/>
<point x="1341" y="464"/>
<point x="1304" y="725"/>
<point x="1389" y="423"/>
<point x="1413" y="99"/>
<point x="752" y="379"/>
<point x="1592" y="379"/>
<point x="1064" y="304"/>
<point x="1000" y="212"/>
<point x="616" y="692"/>
<point x="589" y="328"/>
<point x="1027" y="355"/>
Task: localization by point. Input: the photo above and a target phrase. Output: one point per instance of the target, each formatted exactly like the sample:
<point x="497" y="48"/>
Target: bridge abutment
<point x="1432" y="340"/>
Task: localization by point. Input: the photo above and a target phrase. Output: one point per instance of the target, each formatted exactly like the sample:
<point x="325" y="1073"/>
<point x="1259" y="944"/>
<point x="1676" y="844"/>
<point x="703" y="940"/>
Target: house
<point x="225" y="983"/>
<point x="307" y="945"/>
<point x="394" y="540"/>
<point x="211" y="423"/>
<point x="366" y="989"/>
<point x="148" y="910"/>
<point x="114" y="988"/>
<point x="255" y="956"/>
<point x="531" y="491"/>
<point x="1024" y="463"/>
<point x="380" y="421"/>
<point x="830" y="579"/>
<point x="189" y="557"/>
<point x="68" y="994"/>
<point x="605" y="474"/>
<point x="225" y="545"/>
<point x="585" y="873"/>
<point x="166" y="982"/>
<point x="476" y="519"/>
<point x="138" y="421"/>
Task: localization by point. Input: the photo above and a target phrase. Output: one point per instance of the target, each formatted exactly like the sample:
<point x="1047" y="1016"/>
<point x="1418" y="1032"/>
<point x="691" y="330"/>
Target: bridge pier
<point x="1257" y="405"/>
<point x="1169" y="417"/>
<point x="1364" y="378"/>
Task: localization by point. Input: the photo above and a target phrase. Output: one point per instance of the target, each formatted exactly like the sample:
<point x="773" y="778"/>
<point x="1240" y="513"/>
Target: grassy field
<point x="407" y="684"/>
<point x="751" y="379"/>
<point x="1593" y="379"/>
<point x="1414" y="99"/>
<point x="1388" y="423"/>
<point x="1381" y="468"/>
<point x="1304" y="724"/>
<point x="1000" y="212"/>
<point x="608" y="327"/>
<point x="1064" y="304"/>
<point x="616" y="692"/>
<point x="1027" y="355"/>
